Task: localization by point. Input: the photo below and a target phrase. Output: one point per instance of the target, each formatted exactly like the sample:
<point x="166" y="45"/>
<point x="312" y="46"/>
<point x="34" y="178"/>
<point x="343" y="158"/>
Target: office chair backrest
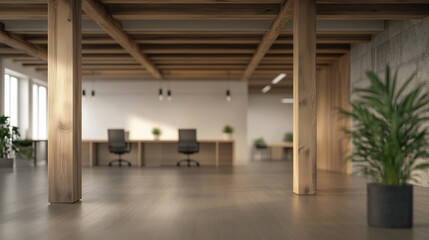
<point x="116" y="139"/>
<point x="187" y="135"/>
<point x="188" y="140"/>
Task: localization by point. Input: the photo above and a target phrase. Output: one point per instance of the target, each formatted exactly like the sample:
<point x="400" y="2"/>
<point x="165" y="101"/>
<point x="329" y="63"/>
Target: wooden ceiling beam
<point x="163" y="40"/>
<point x="193" y="11"/>
<point x="371" y="1"/>
<point x="269" y="38"/>
<point x="361" y="11"/>
<point x="329" y="9"/>
<point x="98" y="13"/>
<point x="17" y="42"/>
<point x="230" y="1"/>
<point x="155" y="1"/>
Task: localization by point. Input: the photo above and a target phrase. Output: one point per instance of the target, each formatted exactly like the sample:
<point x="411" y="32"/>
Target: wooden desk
<point x="159" y="153"/>
<point x="277" y="149"/>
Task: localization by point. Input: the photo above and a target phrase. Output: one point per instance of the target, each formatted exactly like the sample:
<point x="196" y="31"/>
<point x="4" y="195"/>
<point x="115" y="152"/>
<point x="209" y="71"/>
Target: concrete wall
<point x="134" y="105"/>
<point x="268" y="118"/>
<point x="404" y="45"/>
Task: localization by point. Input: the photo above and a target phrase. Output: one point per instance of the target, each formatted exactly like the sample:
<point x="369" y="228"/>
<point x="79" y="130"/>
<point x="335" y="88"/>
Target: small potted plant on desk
<point x="227" y="132"/>
<point x="25" y="153"/>
<point x="288" y="137"/>
<point x="260" y="147"/>
<point x="156" y="133"/>
<point x="259" y="143"/>
<point x="390" y="146"/>
<point x="8" y="144"/>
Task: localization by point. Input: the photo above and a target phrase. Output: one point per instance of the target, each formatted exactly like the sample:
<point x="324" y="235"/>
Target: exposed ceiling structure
<point x="197" y="39"/>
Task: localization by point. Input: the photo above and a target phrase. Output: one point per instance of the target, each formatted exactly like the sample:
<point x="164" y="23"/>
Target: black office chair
<point x="117" y="145"/>
<point x="188" y="145"/>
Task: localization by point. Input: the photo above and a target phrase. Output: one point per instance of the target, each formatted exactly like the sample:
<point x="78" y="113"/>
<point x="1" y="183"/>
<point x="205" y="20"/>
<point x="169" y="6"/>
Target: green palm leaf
<point x="389" y="139"/>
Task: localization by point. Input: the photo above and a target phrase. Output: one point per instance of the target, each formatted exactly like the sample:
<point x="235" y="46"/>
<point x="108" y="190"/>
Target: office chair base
<point x="189" y="161"/>
<point x="120" y="162"/>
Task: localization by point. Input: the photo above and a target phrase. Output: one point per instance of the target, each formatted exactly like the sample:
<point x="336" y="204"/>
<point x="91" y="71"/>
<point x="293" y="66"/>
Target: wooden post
<point x="64" y="99"/>
<point x="304" y="95"/>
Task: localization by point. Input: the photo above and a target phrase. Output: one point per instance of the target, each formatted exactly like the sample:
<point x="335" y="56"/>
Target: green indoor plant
<point x="26" y="149"/>
<point x="259" y="143"/>
<point x="156" y="133"/>
<point x="288" y="137"/>
<point x="227" y="132"/>
<point x="390" y="145"/>
<point x="8" y="142"/>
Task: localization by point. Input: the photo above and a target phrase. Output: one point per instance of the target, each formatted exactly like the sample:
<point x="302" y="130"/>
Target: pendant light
<point x="228" y="92"/>
<point x="169" y="97"/>
<point x="93" y="90"/>
<point x="160" y="95"/>
<point x="228" y="95"/>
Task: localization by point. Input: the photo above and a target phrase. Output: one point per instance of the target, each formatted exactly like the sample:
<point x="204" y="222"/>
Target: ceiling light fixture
<point x="266" y="89"/>
<point x="169" y="97"/>
<point x="279" y="78"/>
<point x="287" y="100"/>
<point x="160" y="96"/>
<point x="228" y="95"/>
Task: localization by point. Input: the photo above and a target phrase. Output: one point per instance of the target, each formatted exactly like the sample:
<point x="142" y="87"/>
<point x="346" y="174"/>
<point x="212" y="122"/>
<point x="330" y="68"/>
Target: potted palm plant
<point x="156" y="133"/>
<point x="390" y="145"/>
<point x="8" y="142"/>
<point x="227" y="132"/>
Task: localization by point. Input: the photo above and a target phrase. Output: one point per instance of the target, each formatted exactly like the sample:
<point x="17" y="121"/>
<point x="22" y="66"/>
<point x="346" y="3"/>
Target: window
<point x="40" y="112"/>
<point x="11" y="99"/>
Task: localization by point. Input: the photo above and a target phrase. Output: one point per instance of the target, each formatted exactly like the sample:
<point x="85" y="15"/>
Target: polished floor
<point x="253" y="202"/>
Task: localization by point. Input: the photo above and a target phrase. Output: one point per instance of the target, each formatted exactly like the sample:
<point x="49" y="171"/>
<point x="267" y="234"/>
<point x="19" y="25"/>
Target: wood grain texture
<point x="284" y="17"/>
<point x="161" y="153"/>
<point x="333" y="92"/>
<point x="304" y="94"/>
<point x="17" y="42"/>
<point x="64" y="100"/>
<point x="98" y="13"/>
<point x="226" y="154"/>
<point x="221" y="11"/>
<point x="252" y="202"/>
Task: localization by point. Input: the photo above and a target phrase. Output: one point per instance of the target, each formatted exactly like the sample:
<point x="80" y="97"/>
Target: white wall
<point x="404" y="45"/>
<point x="267" y="117"/>
<point x="134" y="106"/>
<point x="29" y="72"/>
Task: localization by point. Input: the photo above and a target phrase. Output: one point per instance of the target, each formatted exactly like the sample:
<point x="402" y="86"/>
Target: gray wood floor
<point x="253" y="202"/>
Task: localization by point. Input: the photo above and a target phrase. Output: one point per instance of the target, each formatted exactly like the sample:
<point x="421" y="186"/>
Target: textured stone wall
<point x="404" y="45"/>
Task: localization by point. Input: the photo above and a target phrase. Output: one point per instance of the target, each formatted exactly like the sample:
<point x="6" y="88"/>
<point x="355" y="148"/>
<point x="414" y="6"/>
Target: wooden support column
<point x="64" y="101"/>
<point x="304" y="94"/>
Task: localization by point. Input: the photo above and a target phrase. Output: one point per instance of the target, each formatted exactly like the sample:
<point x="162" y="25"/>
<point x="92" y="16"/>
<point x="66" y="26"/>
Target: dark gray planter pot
<point x="390" y="206"/>
<point x="6" y="162"/>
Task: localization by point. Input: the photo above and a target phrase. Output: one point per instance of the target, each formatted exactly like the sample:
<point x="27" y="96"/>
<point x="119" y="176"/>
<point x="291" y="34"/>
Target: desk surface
<point x="282" y="144"/>
<point x="155" y="141"/>
<point x="159" y="152"/>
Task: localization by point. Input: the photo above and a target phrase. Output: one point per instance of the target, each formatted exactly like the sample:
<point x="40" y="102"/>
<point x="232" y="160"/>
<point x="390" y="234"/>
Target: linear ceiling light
<point x="279" y="78"/>
<point x="287" y="100"/>
<point x="266" y="89"/>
